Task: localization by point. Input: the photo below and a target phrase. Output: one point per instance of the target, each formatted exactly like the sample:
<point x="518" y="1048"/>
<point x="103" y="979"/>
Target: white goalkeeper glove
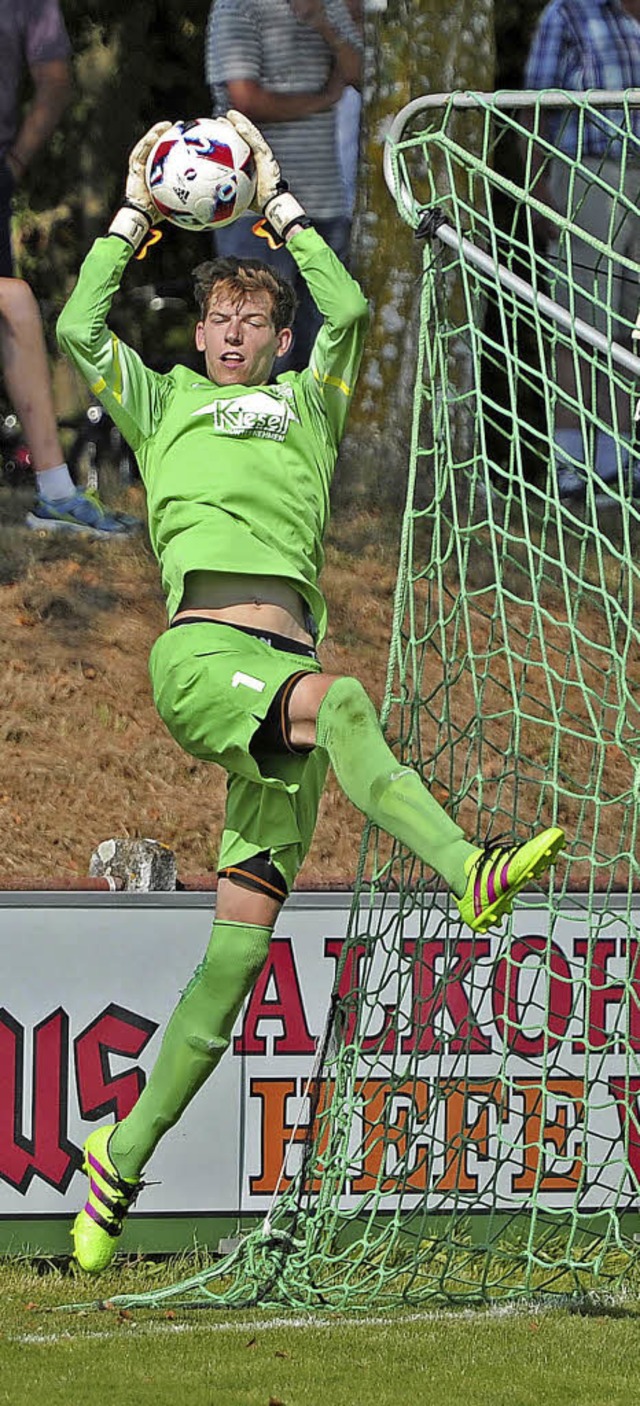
<point x="273" y="196"/>
<point x="137" y="213"/>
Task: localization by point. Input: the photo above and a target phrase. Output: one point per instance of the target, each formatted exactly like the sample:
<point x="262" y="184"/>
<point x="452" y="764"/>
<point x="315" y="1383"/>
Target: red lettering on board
<point x="602" y="992"/>
<point x="553" y="1015"/>
<point x="286" y="1006"/>
<point x="625" y="1089"/>
<point x="47" y="1154"/>
<point x="433" y="993"/>
<point x="115" y="1032"/>
<point x="383" y="1041"/>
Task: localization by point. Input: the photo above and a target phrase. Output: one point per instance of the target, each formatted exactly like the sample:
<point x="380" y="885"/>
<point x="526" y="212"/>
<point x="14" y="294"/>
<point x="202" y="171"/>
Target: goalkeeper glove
<point x="279" y="207"/>
<point x="138" y="212"/>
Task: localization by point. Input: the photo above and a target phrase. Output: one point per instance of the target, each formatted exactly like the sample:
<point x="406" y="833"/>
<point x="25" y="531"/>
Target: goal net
<point x="470" y="1131"/>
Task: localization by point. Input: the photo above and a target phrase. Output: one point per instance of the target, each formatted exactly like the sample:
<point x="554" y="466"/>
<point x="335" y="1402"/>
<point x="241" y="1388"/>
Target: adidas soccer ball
<point x="201" y="174"/>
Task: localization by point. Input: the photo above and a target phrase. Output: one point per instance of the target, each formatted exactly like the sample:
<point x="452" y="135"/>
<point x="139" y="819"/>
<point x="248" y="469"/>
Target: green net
<point x="472" y="1117"/>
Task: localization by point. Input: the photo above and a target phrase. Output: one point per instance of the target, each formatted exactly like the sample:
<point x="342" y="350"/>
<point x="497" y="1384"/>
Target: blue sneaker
<point x="82" y="513"/>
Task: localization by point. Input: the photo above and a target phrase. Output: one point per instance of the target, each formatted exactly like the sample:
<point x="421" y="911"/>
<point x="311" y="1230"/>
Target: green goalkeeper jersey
<point x="237" y="477"/>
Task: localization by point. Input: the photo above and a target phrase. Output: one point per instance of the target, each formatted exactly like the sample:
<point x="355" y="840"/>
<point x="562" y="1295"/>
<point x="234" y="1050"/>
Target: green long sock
<point x="391" y="795"/>
<point x="194" y="1041"/>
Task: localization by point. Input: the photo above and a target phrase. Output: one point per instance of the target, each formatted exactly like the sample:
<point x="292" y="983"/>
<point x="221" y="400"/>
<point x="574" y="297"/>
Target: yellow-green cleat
<point x="97" y="1226"/>
<point x="496" y="873"/>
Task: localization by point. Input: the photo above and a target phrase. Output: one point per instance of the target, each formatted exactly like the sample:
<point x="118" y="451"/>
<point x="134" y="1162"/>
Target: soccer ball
<point x="201" y="174"/>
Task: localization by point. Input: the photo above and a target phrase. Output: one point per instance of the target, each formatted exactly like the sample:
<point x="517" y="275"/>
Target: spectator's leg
<point x="26" y="372"/>
<point x="613" y="450"/>
<point x="570" y="450"/>
<point x="595" y="297"/>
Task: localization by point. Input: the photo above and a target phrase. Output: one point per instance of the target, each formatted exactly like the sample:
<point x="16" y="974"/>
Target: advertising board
<point x="89" y="980"/>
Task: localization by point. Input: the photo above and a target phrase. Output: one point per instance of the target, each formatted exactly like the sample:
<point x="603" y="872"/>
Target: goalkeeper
<point x="237" y="473"/>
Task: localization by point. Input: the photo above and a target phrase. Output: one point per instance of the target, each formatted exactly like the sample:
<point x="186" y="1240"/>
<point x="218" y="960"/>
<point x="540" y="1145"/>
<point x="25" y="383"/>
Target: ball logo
<point x="227" y="191"/>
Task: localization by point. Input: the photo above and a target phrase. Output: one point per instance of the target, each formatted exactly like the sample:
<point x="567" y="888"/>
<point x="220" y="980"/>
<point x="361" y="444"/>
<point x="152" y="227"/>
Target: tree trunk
<point x="413" y="47"/>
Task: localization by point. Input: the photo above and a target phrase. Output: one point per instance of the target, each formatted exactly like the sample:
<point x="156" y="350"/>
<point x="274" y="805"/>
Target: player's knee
<point x="346" y="704"/>
<point x="274" y="732"/>
<point x="258" y="874"/>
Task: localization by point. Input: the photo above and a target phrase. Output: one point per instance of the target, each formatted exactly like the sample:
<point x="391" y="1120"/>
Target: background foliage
<point x="136" y="63"/>
<point x="132" y="65"/>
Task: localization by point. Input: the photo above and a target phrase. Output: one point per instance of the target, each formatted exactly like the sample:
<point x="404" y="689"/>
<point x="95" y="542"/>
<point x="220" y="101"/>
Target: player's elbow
<point x="356" y="311"/>
<point x="70" y="332"/>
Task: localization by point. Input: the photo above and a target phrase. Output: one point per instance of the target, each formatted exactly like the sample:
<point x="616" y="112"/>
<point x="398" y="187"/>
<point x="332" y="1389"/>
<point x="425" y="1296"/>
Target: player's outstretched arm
<point x="138" y="213"/>
<point x="337" y="351"/>
<point x="130" y="391"/>
<point x="273" y="197"/>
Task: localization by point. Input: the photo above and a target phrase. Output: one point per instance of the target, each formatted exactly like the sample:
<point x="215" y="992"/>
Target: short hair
<point x="238" y="277"/>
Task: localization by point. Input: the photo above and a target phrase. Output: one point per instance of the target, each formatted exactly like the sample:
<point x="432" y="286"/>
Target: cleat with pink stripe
<point x="497" y="872"/>
<point x="97" y="1226"/>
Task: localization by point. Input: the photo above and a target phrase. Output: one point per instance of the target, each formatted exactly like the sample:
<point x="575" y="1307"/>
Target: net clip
<point x="430" y="221"/>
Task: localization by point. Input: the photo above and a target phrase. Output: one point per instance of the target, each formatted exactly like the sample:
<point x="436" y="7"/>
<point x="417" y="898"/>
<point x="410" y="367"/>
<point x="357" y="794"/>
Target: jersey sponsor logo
<point x="262" y="414"/>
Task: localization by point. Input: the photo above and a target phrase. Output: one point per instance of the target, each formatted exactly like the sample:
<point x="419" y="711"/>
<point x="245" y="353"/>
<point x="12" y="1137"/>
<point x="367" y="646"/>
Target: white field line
<point x="258" y="1325"/>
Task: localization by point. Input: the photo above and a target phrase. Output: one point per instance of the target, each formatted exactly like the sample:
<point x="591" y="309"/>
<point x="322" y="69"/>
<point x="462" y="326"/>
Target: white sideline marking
<point x="254" y="1325"/>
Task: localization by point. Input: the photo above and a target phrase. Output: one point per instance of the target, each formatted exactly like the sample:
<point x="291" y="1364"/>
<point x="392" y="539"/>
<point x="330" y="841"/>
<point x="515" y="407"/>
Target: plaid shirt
<point x="584" y="44"/>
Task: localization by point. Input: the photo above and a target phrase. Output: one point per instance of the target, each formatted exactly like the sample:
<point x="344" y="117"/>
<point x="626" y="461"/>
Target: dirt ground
<point x="85" y="756"/>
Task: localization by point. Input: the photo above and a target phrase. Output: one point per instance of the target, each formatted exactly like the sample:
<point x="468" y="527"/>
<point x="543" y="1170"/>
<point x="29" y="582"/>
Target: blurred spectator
<point x="60" y="506"/>
<point x="580" y="45"/>
<point x="285" y="64"/>
<point x="348" y="112"/>
<point x="34" y="37"/>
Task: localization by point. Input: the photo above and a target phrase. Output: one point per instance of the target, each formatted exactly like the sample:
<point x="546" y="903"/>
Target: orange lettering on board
<point x="277" y="1132"/>
<point x="461" y="1135"/>
<point x="386" y="1113"/>
<point x="538" y="1132"/>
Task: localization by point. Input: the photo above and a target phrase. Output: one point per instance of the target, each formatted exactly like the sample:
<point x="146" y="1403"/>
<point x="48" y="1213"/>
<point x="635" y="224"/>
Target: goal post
<point x="470" y="1127"/>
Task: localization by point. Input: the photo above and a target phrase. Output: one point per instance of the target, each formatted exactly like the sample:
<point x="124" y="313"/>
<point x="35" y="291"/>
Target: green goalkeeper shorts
<point x="213" y="686"/>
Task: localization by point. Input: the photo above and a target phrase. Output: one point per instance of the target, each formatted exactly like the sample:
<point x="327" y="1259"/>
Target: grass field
<point x="529" y="1356"/>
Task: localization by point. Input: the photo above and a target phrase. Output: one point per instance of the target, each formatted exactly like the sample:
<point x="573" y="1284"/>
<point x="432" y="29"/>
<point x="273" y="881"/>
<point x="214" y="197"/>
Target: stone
<point x="140" y="866"/>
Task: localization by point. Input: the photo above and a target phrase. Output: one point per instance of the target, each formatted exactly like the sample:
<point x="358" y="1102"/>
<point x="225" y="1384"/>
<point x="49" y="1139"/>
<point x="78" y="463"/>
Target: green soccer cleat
<point x="97" y="1226"/>
<point x="496" y="873"/>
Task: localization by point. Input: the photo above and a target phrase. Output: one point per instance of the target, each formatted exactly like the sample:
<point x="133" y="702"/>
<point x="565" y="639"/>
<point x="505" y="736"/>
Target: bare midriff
<point x="261" y="602"/>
